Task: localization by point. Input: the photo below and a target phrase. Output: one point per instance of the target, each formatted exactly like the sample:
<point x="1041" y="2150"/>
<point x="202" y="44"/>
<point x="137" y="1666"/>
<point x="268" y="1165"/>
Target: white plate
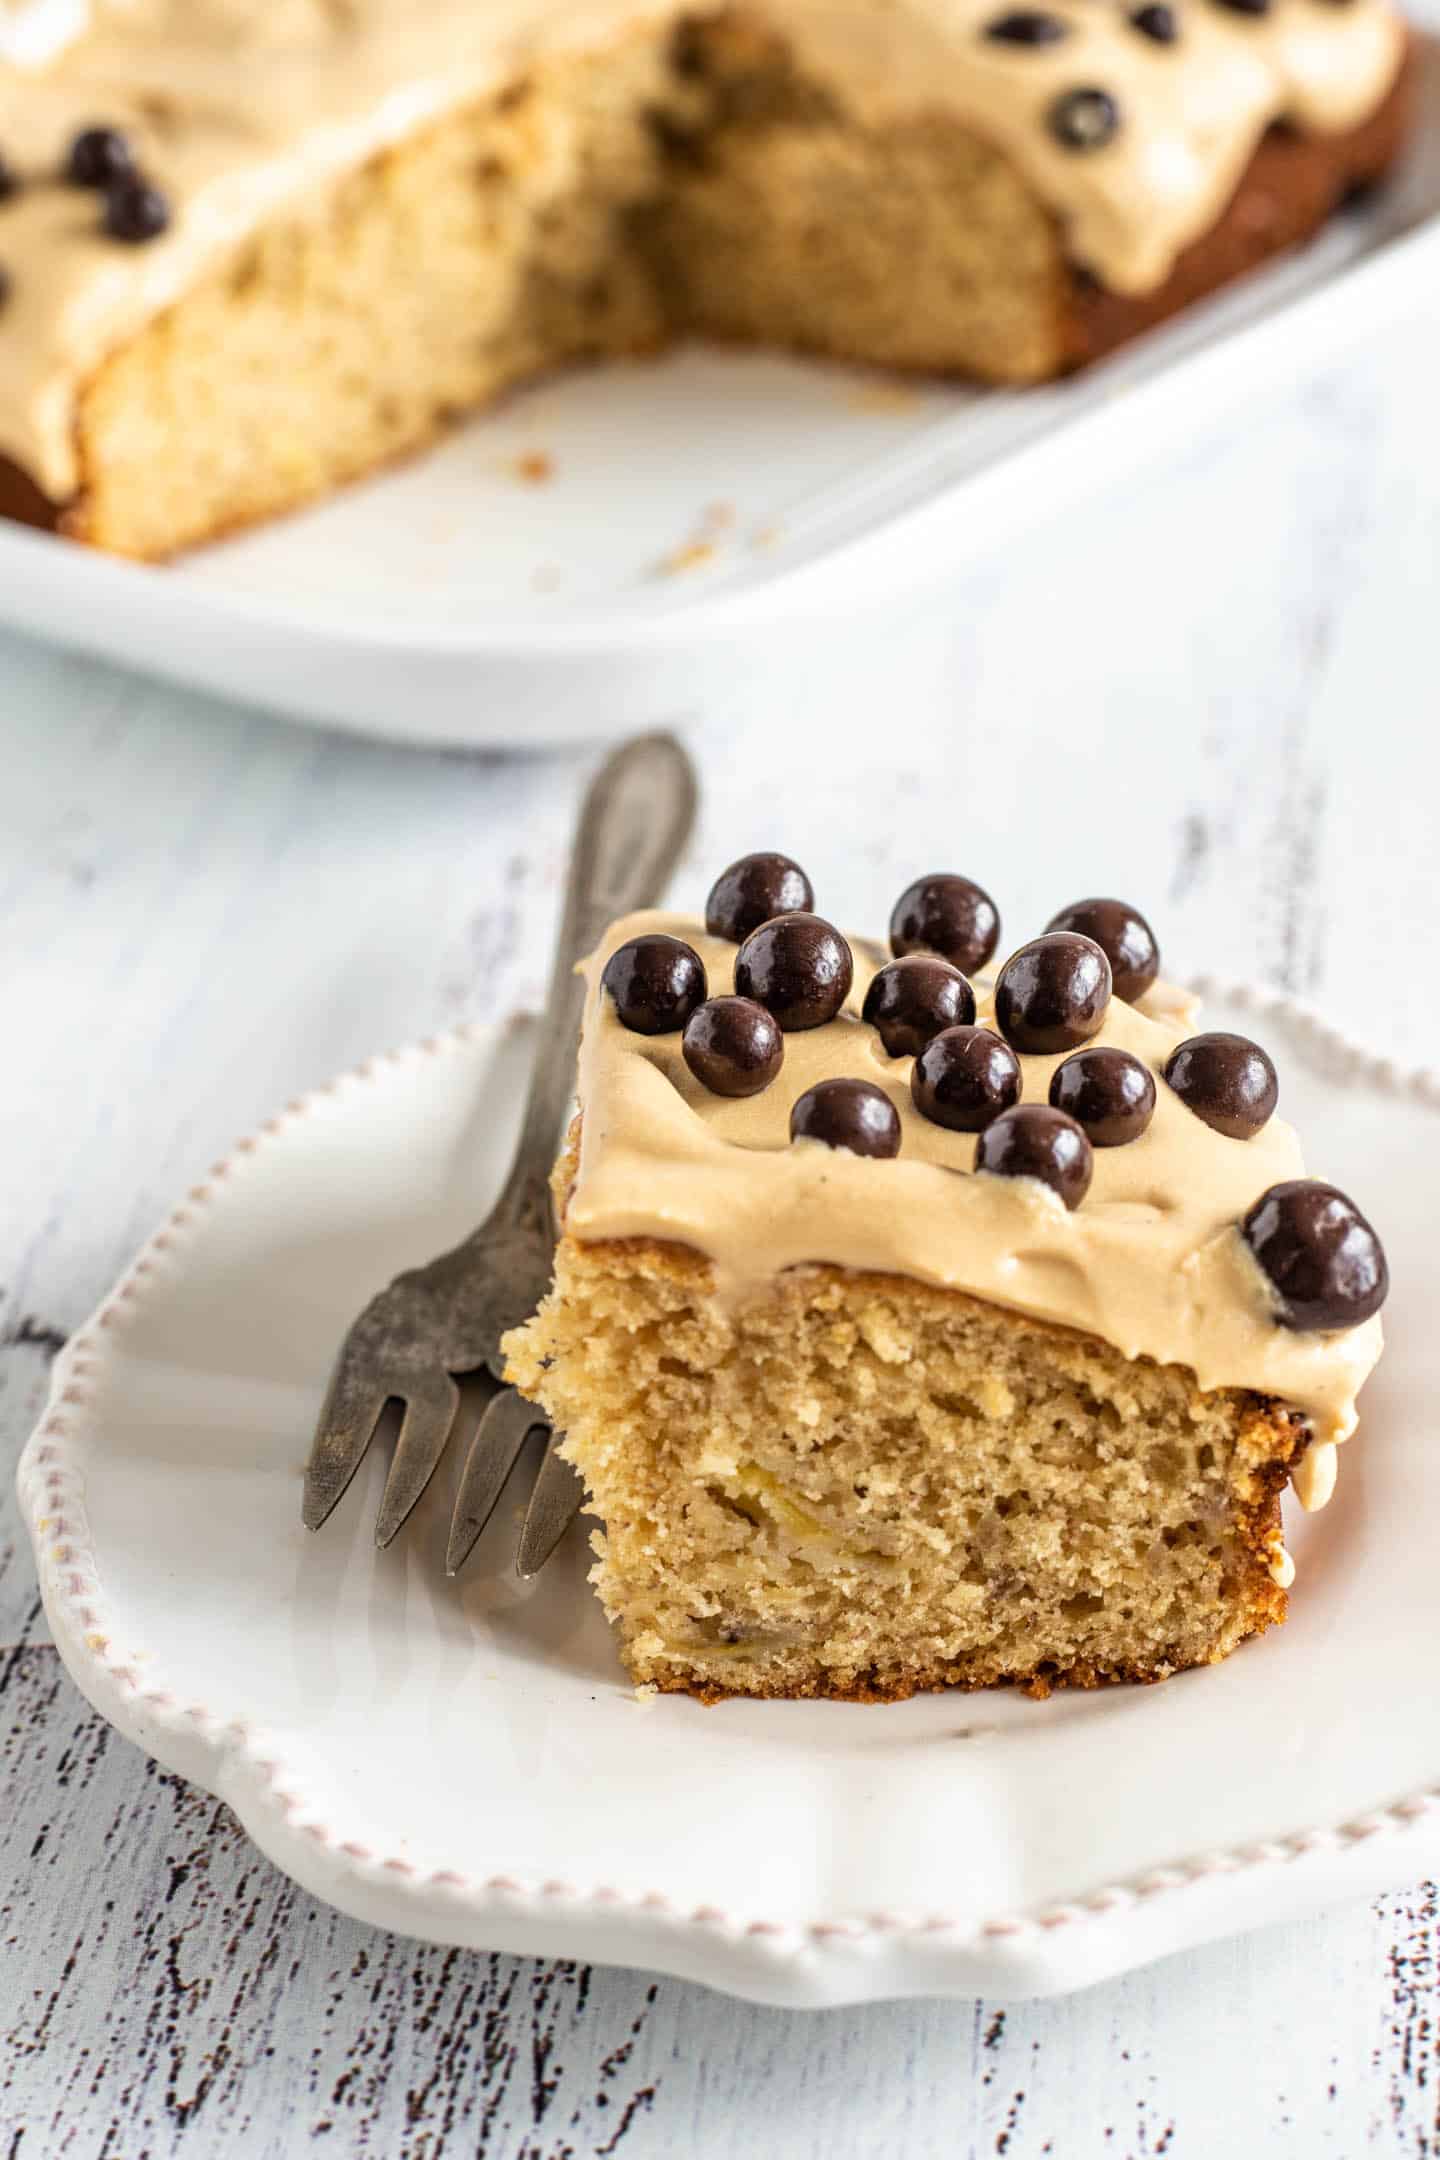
<point x="466" y="1763"/>
<point x="451" y="601"/>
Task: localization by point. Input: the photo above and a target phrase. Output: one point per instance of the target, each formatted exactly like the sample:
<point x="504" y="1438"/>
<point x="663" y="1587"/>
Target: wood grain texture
<point x="1217" y="697"/>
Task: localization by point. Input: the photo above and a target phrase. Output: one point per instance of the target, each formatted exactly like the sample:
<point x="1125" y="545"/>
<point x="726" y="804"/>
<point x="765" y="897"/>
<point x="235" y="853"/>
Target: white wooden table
<point x="1215" y="693"/>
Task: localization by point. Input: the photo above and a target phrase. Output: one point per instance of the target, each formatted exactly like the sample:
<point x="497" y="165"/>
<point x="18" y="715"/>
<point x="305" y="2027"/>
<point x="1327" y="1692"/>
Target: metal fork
<point x="438" y="1323"/>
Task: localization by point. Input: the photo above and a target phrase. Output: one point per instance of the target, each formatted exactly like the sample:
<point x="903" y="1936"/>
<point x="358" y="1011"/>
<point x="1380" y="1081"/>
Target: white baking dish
<point x="706" y="500"/>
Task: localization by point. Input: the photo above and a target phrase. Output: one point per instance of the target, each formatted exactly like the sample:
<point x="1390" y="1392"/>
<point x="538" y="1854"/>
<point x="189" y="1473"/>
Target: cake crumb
<point x="701" y="547"/>
<point x="882" y="397"/>
<point x="691" y="555"/>
<point x="646" y="1692"/>
<point x="996" y="1399"/>
<point x="534" y="467"/>
<point x="889" y="1341"/>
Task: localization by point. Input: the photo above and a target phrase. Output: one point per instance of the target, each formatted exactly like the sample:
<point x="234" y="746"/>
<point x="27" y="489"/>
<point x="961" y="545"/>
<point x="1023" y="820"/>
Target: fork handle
<point x="636" y="819"/>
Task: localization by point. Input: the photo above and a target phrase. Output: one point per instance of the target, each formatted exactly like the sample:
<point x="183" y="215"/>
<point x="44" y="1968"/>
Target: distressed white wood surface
<point x="1215" y="693"/>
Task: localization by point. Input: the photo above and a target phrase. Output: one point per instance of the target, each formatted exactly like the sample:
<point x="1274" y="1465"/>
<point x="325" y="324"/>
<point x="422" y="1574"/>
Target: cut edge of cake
<point x="604" y="207"/>
<point x="724" y="1450"/>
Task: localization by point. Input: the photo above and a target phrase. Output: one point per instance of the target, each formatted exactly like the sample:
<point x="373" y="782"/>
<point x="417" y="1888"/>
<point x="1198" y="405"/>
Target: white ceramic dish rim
<point x="391" y="1890"/>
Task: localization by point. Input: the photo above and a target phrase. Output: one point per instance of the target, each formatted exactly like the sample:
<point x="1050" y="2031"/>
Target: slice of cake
<point x="918" y="1325"/>
<point x="248" y="252"/>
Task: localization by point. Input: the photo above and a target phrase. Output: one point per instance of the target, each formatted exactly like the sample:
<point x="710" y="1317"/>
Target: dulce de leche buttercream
<point x="1152" y="1261"/>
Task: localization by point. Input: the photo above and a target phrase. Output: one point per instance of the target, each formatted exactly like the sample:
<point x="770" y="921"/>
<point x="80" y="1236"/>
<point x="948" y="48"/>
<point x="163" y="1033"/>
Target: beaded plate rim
<point x="1013" y="1948"/>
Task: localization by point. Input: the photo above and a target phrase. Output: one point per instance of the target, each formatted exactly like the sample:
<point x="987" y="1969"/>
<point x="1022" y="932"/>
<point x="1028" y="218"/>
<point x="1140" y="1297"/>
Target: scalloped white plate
<point x="466" y="1762"/>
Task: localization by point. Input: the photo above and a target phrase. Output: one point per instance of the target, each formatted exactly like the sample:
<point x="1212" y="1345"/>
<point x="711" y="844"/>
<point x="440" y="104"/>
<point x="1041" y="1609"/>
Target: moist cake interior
<point x="690" y="177"/>
<point x="861" y="1486"/>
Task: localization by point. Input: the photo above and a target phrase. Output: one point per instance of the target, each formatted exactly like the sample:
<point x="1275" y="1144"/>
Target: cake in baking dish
<point x="917" y="1324"/>
<point x="250" y="249"/>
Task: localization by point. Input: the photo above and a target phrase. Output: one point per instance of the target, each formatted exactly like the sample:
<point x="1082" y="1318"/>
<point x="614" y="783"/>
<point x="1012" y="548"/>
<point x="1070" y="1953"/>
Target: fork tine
<point x="556" y="1500"/>
<point x="353" y="1403"/>
<point x="431" y="1401"/>
<point x="502" y="1432"/>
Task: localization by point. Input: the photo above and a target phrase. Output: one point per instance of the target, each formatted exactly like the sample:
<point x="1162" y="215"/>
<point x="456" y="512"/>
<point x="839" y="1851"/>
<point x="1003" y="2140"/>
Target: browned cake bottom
<point x="858" y="1486"/>
<point x="600" y="207"/>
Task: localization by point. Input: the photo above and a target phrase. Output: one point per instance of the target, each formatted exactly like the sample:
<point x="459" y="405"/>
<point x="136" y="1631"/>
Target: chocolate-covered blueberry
<point x="98" y="157"/>
<point x="752" y="891"/>
<point x="1026" y="26"/>
<point x="1053" y="994"/>
<point x="135" y="210"/>
<point x="1227" y="1080"/>
<point x="656" y="982"/>
<point x="948" y="915"/>
<point x="1124" y="937"/>
<point x="965" y="1078"/>
<point x="1032" y="1141"/>
<point x="798" y="967"/>
<point x="1084" y="119"/>
<point x="1156" y="21"/>
<point x="1109" y="1093"/>
<point x="914" y="998"/>
<point x="733" y="1046"/>
<point x="1326" y="1264"/>
<point x="853" y="1114"/>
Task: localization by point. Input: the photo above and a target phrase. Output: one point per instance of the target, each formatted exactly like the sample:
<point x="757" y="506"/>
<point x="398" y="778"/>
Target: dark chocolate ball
<point x="853" y="1114"/>
<point x="1053" y="994"/>
<point x="753" y="890"/>
<point x="656" y="982"/>
<point x="1084" y="119"/>
<point x="1032" y="1141"/>
<point x="98" y="157"/>
<point x="733" y="1046"/>
<point x="1107" y="1092"/>
<point x="798" y="967"/>
<point x="1026" y="26"/>
<point x="1156" y="21"/>
<point x="135" y="210"/>
<point x="948" y="915"/>
<point x="912" y="999"/>
<point x="964" y="1078"/>
<point x="1326" y="1263"/>
<point x="1227" y="1080"/>
<point x="1124" y="937"/>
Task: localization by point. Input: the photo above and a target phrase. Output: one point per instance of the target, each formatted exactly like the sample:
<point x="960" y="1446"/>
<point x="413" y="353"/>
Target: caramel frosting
<point x="1152" y="1260"/>
<point x="246" y="110"/>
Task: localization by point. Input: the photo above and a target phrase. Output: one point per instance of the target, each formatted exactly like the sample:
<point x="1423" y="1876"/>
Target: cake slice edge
<point x="862" y="1486"/>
